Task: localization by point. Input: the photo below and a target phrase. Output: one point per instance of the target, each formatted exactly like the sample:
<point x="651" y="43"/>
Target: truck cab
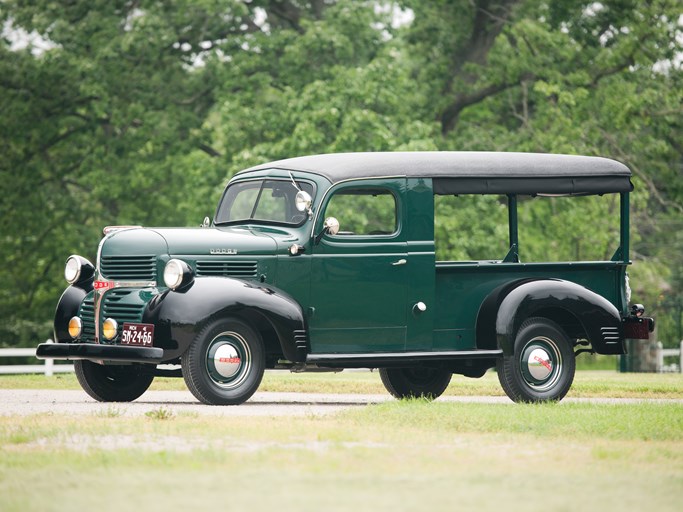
<point x="330" y="262"/>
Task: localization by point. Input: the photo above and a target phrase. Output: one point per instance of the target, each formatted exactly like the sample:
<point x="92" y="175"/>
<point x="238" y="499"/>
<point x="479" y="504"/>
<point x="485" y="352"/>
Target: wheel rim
<point x="228" y="360"/>
<point x="541" y="363"/>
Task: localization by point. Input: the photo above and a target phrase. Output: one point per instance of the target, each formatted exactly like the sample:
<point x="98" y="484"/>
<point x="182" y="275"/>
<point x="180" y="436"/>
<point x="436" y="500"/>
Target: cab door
<point x="359" y="276"/>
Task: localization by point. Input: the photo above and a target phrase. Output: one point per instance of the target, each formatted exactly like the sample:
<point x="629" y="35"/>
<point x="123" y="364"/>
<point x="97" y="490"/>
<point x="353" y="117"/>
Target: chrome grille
<point x="113" y="307"/>
<point x="243" y="269"/>
<point x="87" y="314"/>
<point x="136" y="268"/>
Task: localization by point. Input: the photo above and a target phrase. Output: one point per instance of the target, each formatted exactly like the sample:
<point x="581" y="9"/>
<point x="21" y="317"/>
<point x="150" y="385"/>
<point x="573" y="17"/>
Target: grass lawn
<point x="406" y="455"/>
<point x="399" y="455"/>
<point x="587" y="383"/>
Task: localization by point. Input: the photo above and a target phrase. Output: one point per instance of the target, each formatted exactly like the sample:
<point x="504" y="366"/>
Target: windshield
<point x="262" y="200"/>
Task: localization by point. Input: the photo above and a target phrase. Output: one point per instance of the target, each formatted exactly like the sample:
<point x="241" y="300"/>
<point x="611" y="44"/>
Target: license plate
<point x="137" y="334"/>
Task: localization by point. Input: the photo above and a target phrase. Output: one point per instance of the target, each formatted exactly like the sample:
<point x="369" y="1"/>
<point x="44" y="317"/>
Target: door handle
<point x="399" y="262"/>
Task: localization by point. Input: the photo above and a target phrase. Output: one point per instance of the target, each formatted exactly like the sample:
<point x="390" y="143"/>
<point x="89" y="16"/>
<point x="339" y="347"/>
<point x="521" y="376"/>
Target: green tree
<point x="103" y="128"/>
<point x="570" y="77"/>
<point x="138" y="112"/>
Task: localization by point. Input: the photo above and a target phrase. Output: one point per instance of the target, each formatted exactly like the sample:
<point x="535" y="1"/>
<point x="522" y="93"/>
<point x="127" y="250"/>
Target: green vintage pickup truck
<point x="329" y="262"/>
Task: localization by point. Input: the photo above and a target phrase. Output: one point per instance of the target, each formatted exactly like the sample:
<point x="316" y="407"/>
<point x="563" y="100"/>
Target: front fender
<point x="180" y="315"/>
<point x="67" y="307"/>
<point x="598" y="317"/>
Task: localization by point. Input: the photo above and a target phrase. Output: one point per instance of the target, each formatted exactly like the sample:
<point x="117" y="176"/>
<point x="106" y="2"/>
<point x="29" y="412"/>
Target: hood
<point x="194" y="242"/>
<point x="206" y="241"/>
<point x="134" y="253"/>
<point x="186" y="241"/>
<point x="133" y="242"/>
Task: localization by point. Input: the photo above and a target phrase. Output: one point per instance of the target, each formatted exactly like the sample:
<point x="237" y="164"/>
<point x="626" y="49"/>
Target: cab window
<point x="364" y="212"/>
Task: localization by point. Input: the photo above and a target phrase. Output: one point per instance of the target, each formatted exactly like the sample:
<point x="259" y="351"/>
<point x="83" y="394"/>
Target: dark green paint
<point x="359" y="294"/>
<point x="461" y="288"/>
<point x="358" y="287"/>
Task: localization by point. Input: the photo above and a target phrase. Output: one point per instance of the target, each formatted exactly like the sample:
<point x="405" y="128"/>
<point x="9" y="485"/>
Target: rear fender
<point x="179" y="316"/>
<point x="599" y="319"/>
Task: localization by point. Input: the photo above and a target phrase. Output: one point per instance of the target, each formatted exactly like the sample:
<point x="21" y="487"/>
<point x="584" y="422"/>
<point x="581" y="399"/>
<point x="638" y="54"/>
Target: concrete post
<point x="49" y="364"/>
<point x="660" y="357"/>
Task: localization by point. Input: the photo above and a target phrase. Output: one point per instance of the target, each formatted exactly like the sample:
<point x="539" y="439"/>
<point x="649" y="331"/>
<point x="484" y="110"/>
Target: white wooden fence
<point x="48" y="367"/>
<point x="669" y="352"/>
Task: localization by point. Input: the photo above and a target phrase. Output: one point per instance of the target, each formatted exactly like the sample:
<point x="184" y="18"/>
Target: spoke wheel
<point x="427" y="383"/>
<point x="543" y="364"/>
<point x="112" y="383"/>
<point x="225" y="363"/>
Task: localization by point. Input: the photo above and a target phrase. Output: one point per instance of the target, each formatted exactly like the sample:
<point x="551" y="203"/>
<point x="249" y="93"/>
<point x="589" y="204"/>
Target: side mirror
<point x="330" y="227"/>
<point x="205" y="223"/>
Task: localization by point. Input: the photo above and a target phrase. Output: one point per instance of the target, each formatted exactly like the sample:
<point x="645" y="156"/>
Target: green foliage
<point x="565" y="229"/>
<point x="470" y="228"/>
<point x="93" y="132"/>
<point x="160" y="414"/>
<point x="139" y="112"/>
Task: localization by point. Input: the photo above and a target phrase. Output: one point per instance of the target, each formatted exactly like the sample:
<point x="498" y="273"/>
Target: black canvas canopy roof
<point x="455" y="172"/>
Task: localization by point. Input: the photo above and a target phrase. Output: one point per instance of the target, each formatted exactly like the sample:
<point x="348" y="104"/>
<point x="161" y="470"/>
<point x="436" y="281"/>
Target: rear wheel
<point x="225" y="363"/>
<point x="115" y="383"/>
<point x="542" y="366"/>
<point x="427" y="383"/>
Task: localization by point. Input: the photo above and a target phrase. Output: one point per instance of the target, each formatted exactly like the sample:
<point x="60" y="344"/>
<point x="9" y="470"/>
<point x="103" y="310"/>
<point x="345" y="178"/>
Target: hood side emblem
<point x="222" y="251"/>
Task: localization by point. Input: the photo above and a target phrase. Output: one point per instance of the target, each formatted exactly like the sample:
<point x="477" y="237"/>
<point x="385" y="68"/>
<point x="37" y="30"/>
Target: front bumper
<point x="97" y="352"/>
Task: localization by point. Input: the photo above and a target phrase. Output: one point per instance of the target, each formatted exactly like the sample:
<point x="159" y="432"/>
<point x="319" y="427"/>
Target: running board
<point x="374" y="359"/>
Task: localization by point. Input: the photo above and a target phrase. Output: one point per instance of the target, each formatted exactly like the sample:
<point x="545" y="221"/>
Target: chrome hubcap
<point x="228" y="360"/>
<point x="541" y="363"/>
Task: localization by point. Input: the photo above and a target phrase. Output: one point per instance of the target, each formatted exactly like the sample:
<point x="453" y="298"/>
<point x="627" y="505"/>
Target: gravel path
<point x="24" y="402"/>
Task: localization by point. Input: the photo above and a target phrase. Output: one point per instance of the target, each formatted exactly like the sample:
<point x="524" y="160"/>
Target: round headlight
<point x="78" y="270"/>
<point x="176" y="274"/>
<point x="75" y="327"/>
<point x="72" y="270"/>
<point x="110" y="328"/>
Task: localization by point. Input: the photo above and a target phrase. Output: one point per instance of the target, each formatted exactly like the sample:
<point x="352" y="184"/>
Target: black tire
<point x="115" y="383"/>
<point x="543" y="364"/>
<point x="225" y="363"/>
<point x="427" y="383"/>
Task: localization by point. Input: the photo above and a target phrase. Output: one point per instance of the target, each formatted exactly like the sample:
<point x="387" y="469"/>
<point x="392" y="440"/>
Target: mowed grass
<point x="407" y="455"/>
<point x="398" y="455"/>
<point x="587" y="384"/>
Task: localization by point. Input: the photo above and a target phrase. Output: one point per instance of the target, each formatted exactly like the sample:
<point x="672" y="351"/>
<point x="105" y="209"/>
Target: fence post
<point x="49" y="363"/>
<point x="660" y="357"/>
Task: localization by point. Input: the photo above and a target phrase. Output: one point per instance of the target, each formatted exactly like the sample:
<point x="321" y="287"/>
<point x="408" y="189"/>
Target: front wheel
<point x="542" y="365"/>
<point x="225" y="363"/>
<point x="427" y="383"/>
<point x="114" y="383"/>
